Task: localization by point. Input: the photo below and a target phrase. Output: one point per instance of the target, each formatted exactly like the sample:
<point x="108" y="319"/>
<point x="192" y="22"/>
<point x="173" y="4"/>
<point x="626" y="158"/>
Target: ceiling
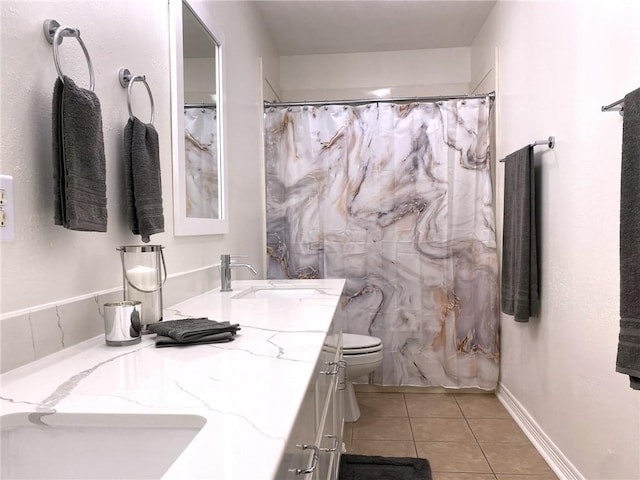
<point x="307" y="27"/>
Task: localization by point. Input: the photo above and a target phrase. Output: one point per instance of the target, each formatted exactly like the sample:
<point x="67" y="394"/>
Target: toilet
<point x="362" y="354"/>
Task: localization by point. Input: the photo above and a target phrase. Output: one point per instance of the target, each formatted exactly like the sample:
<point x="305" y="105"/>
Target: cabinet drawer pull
<point x="342" y="384"/>
<point x="314" y="461"/>
<point x="335" y="368"/>
<point x="335" y="444"/>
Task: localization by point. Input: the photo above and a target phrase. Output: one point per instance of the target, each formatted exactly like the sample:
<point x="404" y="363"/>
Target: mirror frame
<point x="183" y="225"/>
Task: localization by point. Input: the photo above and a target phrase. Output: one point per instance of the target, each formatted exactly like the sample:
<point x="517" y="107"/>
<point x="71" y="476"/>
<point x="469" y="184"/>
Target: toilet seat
<point x="354" y="344"/>
<point x="362" y="351"/>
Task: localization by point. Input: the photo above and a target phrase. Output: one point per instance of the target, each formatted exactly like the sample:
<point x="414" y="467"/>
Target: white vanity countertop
<point x="249" y="390"/>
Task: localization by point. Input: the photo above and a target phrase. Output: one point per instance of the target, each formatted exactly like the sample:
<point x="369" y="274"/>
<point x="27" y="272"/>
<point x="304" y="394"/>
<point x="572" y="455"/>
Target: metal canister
<point x="122" y="324"/>
<point x="142" y="271"/>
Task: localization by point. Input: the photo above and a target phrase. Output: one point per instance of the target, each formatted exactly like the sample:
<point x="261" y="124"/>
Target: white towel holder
<point x="55" y="33"/>
<point x="127" y="80"/>
<point x="549" y="142"/>
<point x="617" y="106"/>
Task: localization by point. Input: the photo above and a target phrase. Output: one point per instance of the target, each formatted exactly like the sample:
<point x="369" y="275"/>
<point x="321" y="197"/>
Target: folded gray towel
<point x="628" y="359"/>
<point x="193" y="330"/>
<point x="520" y="294"/>
<point x="143" y="179"/>
<point x="224" y="337"/>
<point x="79" y="166"/>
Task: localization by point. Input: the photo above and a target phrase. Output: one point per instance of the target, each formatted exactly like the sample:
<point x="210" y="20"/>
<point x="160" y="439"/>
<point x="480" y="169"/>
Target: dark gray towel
<point x="142" y="179"/>
<point x="520" y="293"/>
<point x="628" y="360"/>
<point x="79" y="167"/>
<point x="194" y="330"/>
<point x="224" y="337"/>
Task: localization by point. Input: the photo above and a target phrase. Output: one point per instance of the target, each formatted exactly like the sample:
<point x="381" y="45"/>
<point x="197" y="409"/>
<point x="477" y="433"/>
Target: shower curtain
<point x="201" y="162"/>
<point x="397" y="199"/>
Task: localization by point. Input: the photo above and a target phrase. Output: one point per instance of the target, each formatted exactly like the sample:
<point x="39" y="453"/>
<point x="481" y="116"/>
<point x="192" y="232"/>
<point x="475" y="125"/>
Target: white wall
<point x="558" y="62"/>
<point x="48" y="266"/>
<point x="199" y="79"/>
<point x="442" y="71"/>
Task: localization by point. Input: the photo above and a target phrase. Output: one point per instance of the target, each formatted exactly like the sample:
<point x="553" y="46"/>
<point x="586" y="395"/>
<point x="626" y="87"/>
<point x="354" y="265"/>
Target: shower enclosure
<point x="397" y="199"/>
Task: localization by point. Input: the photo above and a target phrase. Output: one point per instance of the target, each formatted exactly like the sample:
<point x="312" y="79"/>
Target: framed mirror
<point x="199" y="196"/>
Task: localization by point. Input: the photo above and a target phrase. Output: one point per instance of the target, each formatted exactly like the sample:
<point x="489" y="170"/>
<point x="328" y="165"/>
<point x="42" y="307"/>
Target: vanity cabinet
<point x="314" y="445"/>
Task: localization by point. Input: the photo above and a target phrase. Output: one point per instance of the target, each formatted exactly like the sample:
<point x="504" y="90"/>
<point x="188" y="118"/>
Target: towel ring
<point x="55" y="33"/>
<point x="127" y="80"/>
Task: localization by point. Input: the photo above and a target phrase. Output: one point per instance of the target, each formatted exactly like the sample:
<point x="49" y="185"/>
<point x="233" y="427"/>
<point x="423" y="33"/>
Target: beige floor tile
<point x="381" y="405"/>
<point x="481" y="405"/>
<point x="462" y="476"/>
<point x="382" y="428"/>
<point x="497" y="430"/>
<point x="515" y="458"/>
<point x="441" y="430"/>
<point x="550" y="476"/>
<point x="432" y="405"/>
<point x="385" y="448"/>
<point x="453" y="457"/>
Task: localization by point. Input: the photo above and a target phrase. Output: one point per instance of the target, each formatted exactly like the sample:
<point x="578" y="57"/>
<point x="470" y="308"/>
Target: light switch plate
<point x="7" y="216"/>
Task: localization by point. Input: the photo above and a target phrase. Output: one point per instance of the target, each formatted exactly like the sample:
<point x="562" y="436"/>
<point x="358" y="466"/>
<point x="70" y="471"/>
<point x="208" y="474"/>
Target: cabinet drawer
<point x="320" y="419"/>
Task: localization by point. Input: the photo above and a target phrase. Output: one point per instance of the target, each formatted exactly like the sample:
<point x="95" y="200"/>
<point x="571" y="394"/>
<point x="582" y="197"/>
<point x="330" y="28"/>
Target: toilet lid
<point x="354" y="344"/>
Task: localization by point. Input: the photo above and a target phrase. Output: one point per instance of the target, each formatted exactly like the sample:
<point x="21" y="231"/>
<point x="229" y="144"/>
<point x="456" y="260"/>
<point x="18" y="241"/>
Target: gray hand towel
<point x="142" y="179"/>
<point x="223" y="337"/>
<point x="628" y="359"/>
<point x="79" y="166"/>
<point x="520" y="294"/>
<point x="190" y="330"/>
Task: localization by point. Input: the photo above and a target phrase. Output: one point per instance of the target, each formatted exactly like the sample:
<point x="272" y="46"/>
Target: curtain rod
<point x="364" y="101"/>
<point x="199" y="105"/>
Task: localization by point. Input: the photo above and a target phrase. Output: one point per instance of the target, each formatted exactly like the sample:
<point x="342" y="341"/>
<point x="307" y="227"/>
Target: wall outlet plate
<point x="7" y="216"/>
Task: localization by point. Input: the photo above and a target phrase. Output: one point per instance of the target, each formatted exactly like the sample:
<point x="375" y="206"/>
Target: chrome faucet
<point x="226" y="265"/>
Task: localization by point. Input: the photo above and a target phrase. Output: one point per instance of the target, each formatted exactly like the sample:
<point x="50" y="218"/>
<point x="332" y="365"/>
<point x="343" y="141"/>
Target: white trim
<point x="87" y="296"/>
<point x="554" y="457"/>
<point x="57" y="303"/>
<point x="183" y="225"/>
<point x="263" y="170"/>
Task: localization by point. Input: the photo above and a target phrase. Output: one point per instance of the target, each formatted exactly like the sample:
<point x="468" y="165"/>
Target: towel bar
<point x="549" y="142"/>
<point x="617" y="106"/>
<point x="55" y="33"/>
<point x="127" y="80"/>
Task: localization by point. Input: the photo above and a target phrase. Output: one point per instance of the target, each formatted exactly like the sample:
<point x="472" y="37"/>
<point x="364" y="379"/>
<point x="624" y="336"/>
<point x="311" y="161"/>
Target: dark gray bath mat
<point x="364" y="467"/>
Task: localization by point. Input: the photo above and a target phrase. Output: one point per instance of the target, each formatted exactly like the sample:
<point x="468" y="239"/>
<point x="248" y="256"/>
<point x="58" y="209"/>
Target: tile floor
<point x="464" y="436"/>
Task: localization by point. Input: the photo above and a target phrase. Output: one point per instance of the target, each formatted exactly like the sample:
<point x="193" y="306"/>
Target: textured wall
<point x="48" y="265"/>
<point x="438" y="71"/>
<point x="558" y="62"/>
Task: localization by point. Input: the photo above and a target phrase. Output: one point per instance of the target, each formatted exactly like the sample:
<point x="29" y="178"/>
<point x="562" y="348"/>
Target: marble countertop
<point x="249" y="390"/>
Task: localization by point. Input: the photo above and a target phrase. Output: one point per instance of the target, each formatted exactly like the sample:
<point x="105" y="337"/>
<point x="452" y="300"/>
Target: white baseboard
<point x="560" y="464"/>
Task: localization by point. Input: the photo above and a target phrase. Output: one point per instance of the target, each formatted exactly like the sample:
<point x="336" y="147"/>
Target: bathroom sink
<point x="93" y="446"/>
<point x="279" y="292"/>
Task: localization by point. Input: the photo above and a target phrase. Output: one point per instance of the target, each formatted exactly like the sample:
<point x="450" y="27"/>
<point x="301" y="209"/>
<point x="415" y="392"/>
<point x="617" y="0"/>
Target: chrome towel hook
<point x="55" y="33"/>
<point x="127" y="80"/>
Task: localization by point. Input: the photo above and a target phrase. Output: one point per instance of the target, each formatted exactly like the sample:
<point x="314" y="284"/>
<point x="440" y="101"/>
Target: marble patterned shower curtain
<point x="397" y="199"/>
<point x="201" y="162"/>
